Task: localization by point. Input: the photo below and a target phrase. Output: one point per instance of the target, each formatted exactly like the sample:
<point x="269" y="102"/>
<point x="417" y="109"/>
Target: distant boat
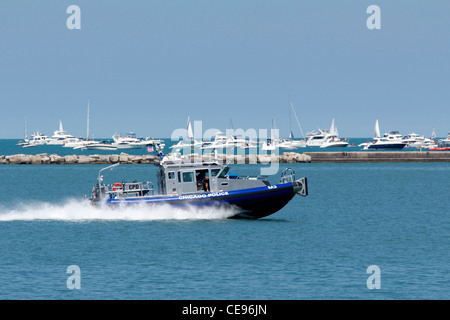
<point x="127" y="141"/>
<point x="100" y="146"/>
<point x="60" y="136"/>
<point x="291" y="142"/>
<point x="332" y="140"/>
<point x="272" y="143"/>
<point x="415" y="141"/>
<point x="447" y="140"/>
<point x="77" y="143"/>
<point x="188" y="141"/>
<point x="26" y="142"/>
<point x="315" y="139"/>
<point x="391" y="140"/>
<point x="219" y="142"/>
<point x="38" y="139"/>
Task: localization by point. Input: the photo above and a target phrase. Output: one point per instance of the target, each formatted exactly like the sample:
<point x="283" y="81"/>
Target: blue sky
<point x="145" y="66"/>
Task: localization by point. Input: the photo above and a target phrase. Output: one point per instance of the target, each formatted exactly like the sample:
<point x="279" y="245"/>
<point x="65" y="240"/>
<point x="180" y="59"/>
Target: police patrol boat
<point x="186" y="182"/>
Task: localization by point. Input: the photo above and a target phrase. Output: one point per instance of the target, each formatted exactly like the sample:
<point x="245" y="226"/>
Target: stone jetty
<point x="123" y="158"/>
<point x="286" y="157"/>
<point x="44" y="158"/>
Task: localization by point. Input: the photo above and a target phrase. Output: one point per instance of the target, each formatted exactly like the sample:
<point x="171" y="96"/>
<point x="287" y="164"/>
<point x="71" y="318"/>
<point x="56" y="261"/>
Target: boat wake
<point x="75" y="210"/>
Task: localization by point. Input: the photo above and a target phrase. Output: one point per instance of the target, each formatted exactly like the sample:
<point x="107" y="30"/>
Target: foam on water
<point x="76" y="210"/>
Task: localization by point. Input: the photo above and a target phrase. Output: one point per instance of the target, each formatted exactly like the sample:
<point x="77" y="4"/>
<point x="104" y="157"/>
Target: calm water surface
<point x="395" y="216"/>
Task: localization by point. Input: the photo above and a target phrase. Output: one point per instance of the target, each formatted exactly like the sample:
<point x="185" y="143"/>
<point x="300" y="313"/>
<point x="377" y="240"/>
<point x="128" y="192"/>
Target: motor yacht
<point x="447" y="140"/>
<point x="220" y="141"/>
<point x="415" y="141"/>
<point x="79" y="143"/>
<point x="38" y="139"/>
<point x="391" y="140"/>
<point x="332" y="139"/>
<point x="315" y="139"/>
<point x="127" y="141"/>
<point x="59" y="136"/>
<point x="100" y="146"/>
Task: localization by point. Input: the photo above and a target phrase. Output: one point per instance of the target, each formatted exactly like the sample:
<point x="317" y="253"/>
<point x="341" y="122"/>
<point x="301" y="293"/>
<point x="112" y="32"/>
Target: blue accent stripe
<point x="231" y="197"/>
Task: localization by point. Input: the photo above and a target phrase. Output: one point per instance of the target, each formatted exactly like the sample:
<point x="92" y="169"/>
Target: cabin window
<point x="188" y="176"/>
<point x="214" y="172"/>
<point x="171" y="175"/>
<point x="224" y="172"/>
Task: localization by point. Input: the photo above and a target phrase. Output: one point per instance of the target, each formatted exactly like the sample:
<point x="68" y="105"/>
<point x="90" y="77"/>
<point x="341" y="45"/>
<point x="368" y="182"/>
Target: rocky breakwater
<point x="286" y="157"/>
<point x="44" y="158"/>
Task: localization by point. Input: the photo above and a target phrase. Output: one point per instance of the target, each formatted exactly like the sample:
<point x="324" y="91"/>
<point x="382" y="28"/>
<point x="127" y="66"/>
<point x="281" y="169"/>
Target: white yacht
<point x="315" y="139"/>
<point x="127" y="141"/>
<point x="79" y="143"/>
<point x="332" y="140"/>
<point x="391" y="140"/>
<point x="100" y="146"/>
<point x="59" y="136"/>
<point x="290" y="143"/>
<point x="287" y="144"/>
<point x="220" y="141"/>
<point x="38" y="139"/>
<point x="415" y="141"/>
<point x="447" y="140"/>
<point x="270" y="145"/>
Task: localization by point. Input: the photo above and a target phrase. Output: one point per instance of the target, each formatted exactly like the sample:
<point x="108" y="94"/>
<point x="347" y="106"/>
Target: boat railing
<point x="258" y="177"/>
<point x="129" y="189"/>
<point x="288" y="175"/>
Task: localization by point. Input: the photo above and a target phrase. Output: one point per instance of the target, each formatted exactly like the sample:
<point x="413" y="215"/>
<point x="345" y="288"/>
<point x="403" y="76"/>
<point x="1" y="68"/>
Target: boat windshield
<point x="214" y="172"/>
<point x="224" y="172"/>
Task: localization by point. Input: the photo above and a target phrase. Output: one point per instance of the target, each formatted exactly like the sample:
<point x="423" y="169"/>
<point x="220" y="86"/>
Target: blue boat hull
<point x="251" y="203"/>
<point x="394" y="146"/>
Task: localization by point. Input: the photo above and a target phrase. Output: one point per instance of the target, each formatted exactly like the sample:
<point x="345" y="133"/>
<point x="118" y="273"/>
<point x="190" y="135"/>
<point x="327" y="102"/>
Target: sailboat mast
<point x="87" y="133"/>
<point x="291" y="136"/>
<point x="296" y="118"/>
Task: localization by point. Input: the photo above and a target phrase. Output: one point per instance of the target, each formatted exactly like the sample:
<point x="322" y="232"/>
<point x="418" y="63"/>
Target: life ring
<point x="116" y="186"/>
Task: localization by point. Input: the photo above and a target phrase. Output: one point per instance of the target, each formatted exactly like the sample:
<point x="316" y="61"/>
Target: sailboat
<point x="26" y="141"/>
<point x="332" y="138"/>
<point x="291" y="143"/>
<point x="188" y="141"/>
<point x="77" y="143"/>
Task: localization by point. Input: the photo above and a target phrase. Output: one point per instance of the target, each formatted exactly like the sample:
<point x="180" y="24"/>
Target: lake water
<point x="395" y="216"/>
